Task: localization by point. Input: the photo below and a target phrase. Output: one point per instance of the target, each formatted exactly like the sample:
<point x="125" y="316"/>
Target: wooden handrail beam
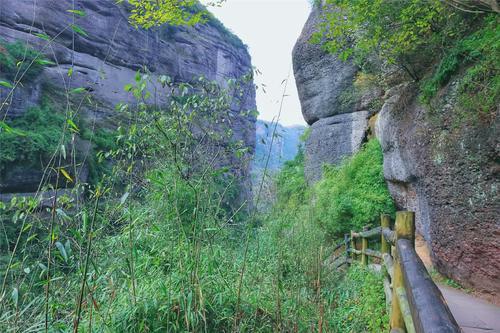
<point x="389" y="235"/>
<point x="354" y="251"/>
<point x="388" y="293"/>
<point x="373" y="253"/>
<point x="367" y="233"/>
<point x="371" y="233"/>
<point x="405" y="229"/>
<point x="428" y="308"/>
<point x="405" y="309"/>
<point x="416" y="304"/>
<point x="389" y="264"/>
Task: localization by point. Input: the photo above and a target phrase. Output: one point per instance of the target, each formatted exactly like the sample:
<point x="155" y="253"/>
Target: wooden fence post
<point x="353" y="246"/>
<point x="385" y="222"/>
<point x="405" y="228"/>
<point x="346" y="244"/>
<point x="364" y="247"/>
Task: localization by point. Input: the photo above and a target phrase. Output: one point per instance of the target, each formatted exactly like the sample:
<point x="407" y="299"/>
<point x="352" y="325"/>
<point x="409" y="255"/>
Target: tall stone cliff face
<point x="107" y="56"/>
<point x="446" y="173"/>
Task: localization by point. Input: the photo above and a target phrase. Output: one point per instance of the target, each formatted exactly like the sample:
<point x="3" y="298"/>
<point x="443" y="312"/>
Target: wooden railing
<point x="413" y="300"/>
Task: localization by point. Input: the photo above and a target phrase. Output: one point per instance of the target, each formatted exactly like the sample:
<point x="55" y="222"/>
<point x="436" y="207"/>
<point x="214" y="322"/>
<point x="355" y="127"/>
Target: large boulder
<point x="336" y="108"/>
<point x="108" y="53"/>
<point x="332" y="139"/>
<point x="322" y="79"/>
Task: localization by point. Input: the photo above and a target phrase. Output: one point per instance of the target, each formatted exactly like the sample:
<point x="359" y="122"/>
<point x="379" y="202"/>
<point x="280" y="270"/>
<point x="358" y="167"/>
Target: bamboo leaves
<point x="6" y="84"/>
<point x="62" y="251"/>
<point x="66" y="174"/>
<point x="77" y="12"/>
<point x="79" y="30"/>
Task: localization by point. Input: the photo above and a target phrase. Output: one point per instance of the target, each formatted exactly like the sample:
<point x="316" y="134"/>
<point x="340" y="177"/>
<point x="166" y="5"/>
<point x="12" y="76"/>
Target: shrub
<point x="17" y="59"/>
<point x="353" y="194"/>
<point x="291" y="183"/>
<point x="360" y="303"/>
<point x="37" y="135"/>
<point x="167" y="253"/>
<point x="479" y="85"/>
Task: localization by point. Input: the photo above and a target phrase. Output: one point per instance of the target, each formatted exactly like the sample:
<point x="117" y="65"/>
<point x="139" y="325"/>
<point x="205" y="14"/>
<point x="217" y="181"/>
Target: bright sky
<point x="270" y="28"/>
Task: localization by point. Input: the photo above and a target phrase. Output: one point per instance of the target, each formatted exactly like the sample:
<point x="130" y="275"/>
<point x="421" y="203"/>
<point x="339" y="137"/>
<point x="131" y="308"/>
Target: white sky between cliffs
<point x="270" y="28"/>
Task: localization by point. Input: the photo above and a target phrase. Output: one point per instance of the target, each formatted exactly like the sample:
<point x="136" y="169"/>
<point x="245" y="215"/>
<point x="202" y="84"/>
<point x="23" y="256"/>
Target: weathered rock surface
<point x="337" y="111"/>
<point x="321" y="78"/>
<point x="332" y="139"/>
<point x="18" y="100"/>
<point x="449" y="175"/>
<point x="107" y="57"/>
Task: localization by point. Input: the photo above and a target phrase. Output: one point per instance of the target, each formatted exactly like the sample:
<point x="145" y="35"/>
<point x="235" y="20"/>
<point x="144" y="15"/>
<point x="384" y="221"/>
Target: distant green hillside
<point x="285" y="145"/>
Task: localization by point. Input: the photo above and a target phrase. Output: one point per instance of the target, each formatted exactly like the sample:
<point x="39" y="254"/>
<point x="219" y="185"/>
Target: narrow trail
<point x="473" y="314"/>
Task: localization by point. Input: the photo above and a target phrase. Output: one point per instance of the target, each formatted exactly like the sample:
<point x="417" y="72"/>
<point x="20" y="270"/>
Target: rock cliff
<point x="106" y="56"/>
<point x="337" y="111"/>
<point x="445" y="170"/>
<point x="436" y="164"/>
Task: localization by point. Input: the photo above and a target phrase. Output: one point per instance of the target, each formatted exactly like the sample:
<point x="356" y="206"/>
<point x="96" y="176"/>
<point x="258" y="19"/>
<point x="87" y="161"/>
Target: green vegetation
<point x="479" y="84"/>
<point x="361" y="301"/>
<point x="392" y="30"/>
<point x="37" y="135"/>
<point x="435" y="42"/>
<point x="32" y="139"/>
<point x="163" y="241"/>
<point x="353" y="194"/>
<point x="348" y="197"/>
<point x="18" y="59"/>
<point x="151" y="13"/>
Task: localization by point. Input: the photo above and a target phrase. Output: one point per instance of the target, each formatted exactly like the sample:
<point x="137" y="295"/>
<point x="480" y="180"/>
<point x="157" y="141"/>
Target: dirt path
<point x="473" y="314"/>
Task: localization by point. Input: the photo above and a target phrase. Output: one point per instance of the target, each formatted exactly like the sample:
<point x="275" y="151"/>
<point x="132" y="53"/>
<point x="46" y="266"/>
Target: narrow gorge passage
<point x="216" y="166"/>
